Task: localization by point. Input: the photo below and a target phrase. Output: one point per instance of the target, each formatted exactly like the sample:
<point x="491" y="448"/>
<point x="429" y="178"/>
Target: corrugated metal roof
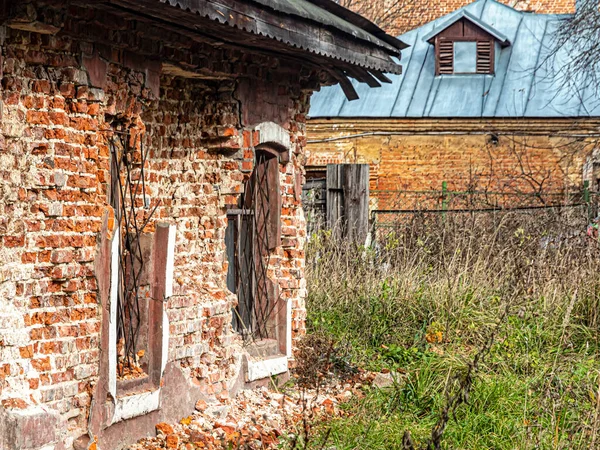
<point x="331" y="17"/>
<point x="526" y="84"/>
<point x="308" y="10"/>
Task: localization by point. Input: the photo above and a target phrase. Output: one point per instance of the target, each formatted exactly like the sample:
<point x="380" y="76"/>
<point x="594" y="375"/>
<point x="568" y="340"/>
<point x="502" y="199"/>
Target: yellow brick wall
<point x="498" y="156"/>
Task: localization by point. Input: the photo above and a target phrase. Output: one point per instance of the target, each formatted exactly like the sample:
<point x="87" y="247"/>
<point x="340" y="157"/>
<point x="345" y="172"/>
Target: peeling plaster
<point x="270" y="132"/>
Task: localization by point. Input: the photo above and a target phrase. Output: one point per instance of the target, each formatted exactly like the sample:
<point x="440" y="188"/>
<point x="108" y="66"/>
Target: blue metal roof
<point x="527" y="83"/>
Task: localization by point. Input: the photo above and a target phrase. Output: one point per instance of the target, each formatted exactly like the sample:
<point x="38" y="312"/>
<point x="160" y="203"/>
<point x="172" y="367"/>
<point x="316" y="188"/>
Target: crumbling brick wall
<point x="60" y="94"/>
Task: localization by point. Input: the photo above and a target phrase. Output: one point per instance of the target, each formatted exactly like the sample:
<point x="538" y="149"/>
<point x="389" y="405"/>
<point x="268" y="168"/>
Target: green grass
<point x="538" y="385"/>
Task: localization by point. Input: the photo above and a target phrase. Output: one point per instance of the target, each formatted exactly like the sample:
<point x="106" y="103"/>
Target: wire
<point x="441" y="133"/>
<point x="443" y="211"/>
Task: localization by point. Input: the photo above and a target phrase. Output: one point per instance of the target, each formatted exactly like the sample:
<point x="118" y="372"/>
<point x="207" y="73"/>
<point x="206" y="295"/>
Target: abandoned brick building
<point x="482" y="104"/>
<point x="151" y="231"/>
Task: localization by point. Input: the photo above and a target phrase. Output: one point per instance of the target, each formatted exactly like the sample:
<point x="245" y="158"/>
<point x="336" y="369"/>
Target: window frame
<point x="441" y="39"/>
<point x="266" y="354"/>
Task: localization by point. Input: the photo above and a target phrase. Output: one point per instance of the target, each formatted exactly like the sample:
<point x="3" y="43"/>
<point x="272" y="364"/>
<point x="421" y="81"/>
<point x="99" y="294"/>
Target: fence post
<point x="444" y="198"/>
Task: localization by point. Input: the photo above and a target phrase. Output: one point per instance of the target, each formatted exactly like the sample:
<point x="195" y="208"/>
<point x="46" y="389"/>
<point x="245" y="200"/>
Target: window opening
<point x="465" y="57"/>
<point x="127" y="197"/>
<point x="253" y="230"/>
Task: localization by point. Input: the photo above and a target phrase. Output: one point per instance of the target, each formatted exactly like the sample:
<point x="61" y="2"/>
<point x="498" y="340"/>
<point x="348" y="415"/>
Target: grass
<point x="523" y="290"/>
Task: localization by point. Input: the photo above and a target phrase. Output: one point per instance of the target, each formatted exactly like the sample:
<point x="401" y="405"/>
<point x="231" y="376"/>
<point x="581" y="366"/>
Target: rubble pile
<point x="256" y="419"/>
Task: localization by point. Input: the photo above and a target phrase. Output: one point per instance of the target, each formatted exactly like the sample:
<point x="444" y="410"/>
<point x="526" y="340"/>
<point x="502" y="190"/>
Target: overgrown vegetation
<point x="512" y="300"/>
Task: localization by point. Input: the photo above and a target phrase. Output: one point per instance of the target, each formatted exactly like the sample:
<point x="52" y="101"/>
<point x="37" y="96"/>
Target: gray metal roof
<point x="526" y="84"/>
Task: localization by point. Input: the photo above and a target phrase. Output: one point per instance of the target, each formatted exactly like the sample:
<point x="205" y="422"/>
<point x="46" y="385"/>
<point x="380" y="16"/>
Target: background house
<point x="151" y="231"/>
<point x="484" y="103"/>
<point x="404" y="15"/>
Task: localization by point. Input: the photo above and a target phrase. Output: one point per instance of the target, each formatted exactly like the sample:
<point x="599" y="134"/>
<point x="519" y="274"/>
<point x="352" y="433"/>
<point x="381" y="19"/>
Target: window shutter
<point x="446" y="61"/>
<point x="484" y="57"/>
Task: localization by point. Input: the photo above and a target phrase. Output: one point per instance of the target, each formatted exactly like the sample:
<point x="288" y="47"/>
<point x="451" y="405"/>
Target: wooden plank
<point x="380" y="76"/>
<point x="484" y="56"/>
<point x="348" y="201"/>
<point x="363" y="76"/>
<point x="356" y="201"/>
<point x="445" y="53"/>
<point x="368" y="78"/>
<point x="345" y="84"/>
<point x="334" y="199"/>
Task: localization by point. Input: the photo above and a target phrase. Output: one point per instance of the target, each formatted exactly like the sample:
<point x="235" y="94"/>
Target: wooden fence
<point x="340" y="201"/>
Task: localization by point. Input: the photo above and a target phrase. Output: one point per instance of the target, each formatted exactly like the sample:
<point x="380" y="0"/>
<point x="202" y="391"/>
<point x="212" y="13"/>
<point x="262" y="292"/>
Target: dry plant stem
<point x="461" y="394"/>
<point x="534" y="273"/>
<point x="596" y="422"/>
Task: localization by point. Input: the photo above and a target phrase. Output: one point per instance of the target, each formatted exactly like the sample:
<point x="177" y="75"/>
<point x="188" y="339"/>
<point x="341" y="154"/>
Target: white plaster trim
<point x="168" y="293"/>
<point x="112" y="330"/>
<point x="288" y="329"/>
<point x="170" y="261"/>
<point x="271" y="132"/>
<point x="136" y="405"/>
<point x="264" y="368"/>
<point x="165" y="343"/>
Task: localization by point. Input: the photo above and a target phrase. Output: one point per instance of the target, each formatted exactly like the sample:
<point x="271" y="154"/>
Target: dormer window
<point x="464" y="45"/>
<point x="465" y="57"/>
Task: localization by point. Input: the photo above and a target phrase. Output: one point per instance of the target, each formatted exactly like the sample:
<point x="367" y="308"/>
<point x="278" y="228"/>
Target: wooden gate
<point x="340" y="201"/>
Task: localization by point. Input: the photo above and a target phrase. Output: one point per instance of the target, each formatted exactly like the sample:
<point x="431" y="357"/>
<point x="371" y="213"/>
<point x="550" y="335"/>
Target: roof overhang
<point x="318" y="33"/>
<point x="314" y="26"/>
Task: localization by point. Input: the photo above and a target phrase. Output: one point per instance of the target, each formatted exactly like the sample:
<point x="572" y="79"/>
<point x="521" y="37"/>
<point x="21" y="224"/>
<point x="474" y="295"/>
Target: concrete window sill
<point x="259" y="369"/>
<point x="136" y="405"/>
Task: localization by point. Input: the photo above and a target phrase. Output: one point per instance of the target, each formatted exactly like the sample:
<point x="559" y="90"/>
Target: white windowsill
<point x="265" y="368"/>
<point x="136" y="405"/>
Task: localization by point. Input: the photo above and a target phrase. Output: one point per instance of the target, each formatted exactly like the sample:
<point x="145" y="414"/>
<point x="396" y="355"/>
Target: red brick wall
<point x="54" y="163"/>
<point x="407" y="15"/>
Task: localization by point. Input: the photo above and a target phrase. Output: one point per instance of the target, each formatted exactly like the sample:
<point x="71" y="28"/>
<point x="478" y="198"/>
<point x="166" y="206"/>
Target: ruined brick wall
<point x="494" y="156"/>
<point x="409" y="14"/>
<point x="59" y="97"/>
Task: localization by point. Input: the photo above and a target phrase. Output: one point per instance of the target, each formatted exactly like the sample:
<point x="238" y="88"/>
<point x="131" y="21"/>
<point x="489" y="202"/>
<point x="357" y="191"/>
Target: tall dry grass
<point x="427" y="296"/>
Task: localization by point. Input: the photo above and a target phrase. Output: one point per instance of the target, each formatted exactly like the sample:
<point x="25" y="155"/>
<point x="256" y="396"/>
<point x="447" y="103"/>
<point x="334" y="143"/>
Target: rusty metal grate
<point x="128" y="198"/>
<point x="248" y="244"/>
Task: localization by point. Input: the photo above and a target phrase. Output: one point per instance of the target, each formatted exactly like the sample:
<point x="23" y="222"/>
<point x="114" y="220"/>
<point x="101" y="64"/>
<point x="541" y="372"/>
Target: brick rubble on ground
<point x="255" y="419"/>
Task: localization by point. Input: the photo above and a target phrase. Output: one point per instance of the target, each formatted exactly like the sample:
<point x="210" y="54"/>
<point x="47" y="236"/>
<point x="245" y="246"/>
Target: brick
<point x="13" y="241"/>
<point x="38" y="117"/>
<point x="192" y="173"/>
<point x="420" y="12"/>
<point x="26" y="352"/>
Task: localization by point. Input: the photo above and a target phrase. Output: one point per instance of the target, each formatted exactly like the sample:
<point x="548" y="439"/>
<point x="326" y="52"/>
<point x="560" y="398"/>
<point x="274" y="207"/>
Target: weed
<point x="492" y="320"/>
